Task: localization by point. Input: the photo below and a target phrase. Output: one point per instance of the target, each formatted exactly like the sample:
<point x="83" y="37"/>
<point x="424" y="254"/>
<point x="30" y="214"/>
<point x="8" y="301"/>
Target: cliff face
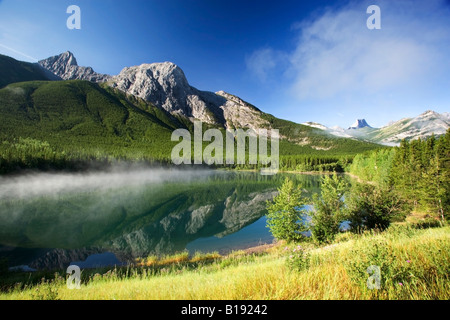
<point x="166" y="86"/>
<point x="176" y="230"/>
<point x="66" y="67"/>
<point x="359" y="124"/>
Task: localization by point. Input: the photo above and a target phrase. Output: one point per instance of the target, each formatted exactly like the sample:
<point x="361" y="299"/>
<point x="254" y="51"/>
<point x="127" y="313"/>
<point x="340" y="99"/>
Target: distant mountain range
<point x="132" y="115"/>
<point x="422" y="126"/>
<point x="359" y="124"/>
<point x="165" y="85"/>
<point x="163" y="90"/>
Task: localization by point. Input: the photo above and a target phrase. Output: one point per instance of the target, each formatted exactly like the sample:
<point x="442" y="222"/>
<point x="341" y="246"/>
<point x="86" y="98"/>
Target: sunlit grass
<point x="178" y="258"/>
<point x="419" y="258"/>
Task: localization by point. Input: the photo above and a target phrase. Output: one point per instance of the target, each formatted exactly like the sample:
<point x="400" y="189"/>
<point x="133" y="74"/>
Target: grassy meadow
<point x="414" y="261"/>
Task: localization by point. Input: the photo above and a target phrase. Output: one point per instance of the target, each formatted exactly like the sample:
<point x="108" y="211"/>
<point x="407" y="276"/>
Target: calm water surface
<point x="110" y="218"/>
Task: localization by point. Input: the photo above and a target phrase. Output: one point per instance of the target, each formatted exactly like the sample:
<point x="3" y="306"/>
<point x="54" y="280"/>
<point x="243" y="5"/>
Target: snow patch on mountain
<point x="336" y="130"/>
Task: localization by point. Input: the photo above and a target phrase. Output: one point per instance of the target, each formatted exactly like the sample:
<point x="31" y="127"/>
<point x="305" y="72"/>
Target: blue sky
<point x="299" y="60"/>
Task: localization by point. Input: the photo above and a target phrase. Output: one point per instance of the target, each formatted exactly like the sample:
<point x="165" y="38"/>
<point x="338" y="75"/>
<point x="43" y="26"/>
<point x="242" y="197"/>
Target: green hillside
<point x="301" y="139"/>
<point x="12" y="71"/>
<point x="78" y="120"/>
<point x="56" y="124"/>
<point x="310" y="149"/>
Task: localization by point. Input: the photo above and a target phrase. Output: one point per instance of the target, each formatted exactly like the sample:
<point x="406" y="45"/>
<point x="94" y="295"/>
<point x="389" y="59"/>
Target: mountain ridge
<point x="12" y="70"/>
<point x="422" y="126"/>
<point x="359" y="124"/>
<point x="71" y="123"/>
<point x="165" y="86"/>
<point x="66" y="67"/>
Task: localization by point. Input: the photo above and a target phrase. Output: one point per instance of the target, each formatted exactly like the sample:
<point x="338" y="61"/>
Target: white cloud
<point x="337" y="55"/>
<point x="17" y="52"/>
<point x="262" y="62"/>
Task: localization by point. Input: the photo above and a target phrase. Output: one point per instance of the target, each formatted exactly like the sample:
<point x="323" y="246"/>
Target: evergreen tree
<point x="415" y="170"/>
<point x="328" y="213"/>
<point x="285" y="219"/>
<point x="436" y="182"/>
<point x="370" y="206"/>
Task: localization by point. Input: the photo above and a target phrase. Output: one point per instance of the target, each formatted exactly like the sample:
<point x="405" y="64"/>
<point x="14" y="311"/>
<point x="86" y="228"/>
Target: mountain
<point x="131" y="116"/>
<point x="68" y="120"/>
<point x="61" y="121"/>
<point x="359" y="124"/>
<point x="66" y="67"/>
<point x="165" y="85"/>
<point x="422" y="126"/>
<point x="12" y="71"/>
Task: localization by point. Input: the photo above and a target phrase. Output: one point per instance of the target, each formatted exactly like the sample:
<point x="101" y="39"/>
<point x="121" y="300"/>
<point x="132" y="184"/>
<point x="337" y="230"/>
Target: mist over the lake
<point x="50" y="219"/>
<point x="53" y="184"/>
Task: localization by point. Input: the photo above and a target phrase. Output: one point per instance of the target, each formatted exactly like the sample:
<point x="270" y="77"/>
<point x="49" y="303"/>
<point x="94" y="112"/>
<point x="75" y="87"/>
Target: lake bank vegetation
<point x="396" y="220"/>
<point x="413" y="260"/>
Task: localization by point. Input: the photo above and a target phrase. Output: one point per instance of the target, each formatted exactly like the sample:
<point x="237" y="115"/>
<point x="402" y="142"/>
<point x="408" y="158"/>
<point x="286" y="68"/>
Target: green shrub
<point x="285" y="219"/>
<point x="370" y="206"/>
<point x="373" y="252"/>
<point x="427" y="223"/>
<point x="45" y="291"/>
<point x="396" y="231"/>
<point x="344" y="237"/>
<point x="328" y="212"/>
<point x="417" y="265"/>
<point x="299" y="259"/>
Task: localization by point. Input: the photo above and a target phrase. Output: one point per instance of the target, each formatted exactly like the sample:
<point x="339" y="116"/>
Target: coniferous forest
<point x="418" y="171"/>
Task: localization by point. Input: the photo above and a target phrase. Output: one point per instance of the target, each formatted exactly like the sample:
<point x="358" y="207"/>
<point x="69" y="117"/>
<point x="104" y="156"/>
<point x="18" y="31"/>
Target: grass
<point x="414" y="263"/>
<point x="179" y="258"/>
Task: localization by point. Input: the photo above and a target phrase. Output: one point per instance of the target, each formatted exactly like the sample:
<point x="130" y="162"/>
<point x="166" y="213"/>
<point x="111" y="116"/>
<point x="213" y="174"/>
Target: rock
<point x="66" y="67"/>
<point x="359" y="124"/>
<point x="165" y="85"/>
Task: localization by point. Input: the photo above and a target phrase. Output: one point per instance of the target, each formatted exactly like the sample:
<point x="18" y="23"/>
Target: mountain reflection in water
<point x="48" y="221"/>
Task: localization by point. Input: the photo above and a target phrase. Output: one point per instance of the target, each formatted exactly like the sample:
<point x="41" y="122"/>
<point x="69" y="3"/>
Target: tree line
<point x="392" y="183"/>
<point x="418" y="171"/>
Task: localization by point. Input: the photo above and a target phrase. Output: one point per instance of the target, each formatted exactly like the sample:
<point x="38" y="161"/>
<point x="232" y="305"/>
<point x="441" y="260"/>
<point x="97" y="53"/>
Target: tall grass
<point x="414" y="263"/>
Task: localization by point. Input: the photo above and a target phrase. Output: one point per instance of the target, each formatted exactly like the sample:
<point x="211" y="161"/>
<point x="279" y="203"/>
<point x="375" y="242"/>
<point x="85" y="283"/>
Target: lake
<point x="50" y="221"/>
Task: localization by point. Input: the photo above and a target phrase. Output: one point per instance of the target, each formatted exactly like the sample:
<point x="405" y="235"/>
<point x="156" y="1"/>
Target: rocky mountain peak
<point x="165" y="85"/>
<point x="167" y="74"/>
<point x="69" y="58"/>
<point x="59" y="64"/>
<point x="428" y="115"/>
<point x="66" y="67"/>
<point x="359" y="124"/>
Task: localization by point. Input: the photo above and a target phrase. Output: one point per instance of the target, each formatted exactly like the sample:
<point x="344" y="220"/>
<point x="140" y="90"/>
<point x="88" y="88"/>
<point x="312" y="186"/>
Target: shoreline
<point x="263" y="247"/>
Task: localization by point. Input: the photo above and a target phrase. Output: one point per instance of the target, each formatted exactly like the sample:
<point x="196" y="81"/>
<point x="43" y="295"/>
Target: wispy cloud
<point x="18" y="52"/>
<point x="336" y="54"/>
<point x="263" y="62"/>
